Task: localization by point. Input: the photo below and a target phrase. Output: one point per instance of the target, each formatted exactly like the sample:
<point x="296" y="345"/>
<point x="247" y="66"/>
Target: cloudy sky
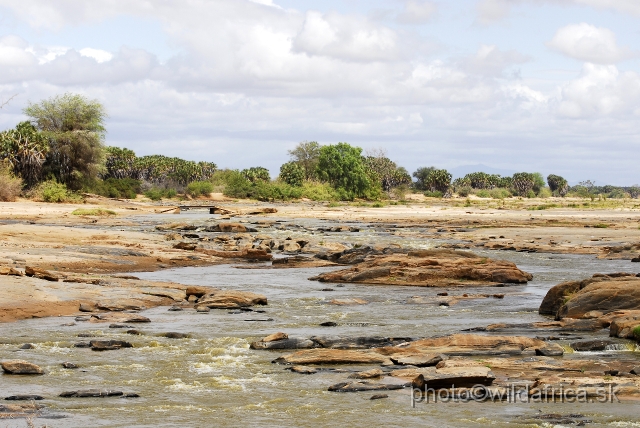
<point x="534" y="85"/>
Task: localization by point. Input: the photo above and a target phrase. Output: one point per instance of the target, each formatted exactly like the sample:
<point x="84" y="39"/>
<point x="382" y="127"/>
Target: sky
<point x="550" y="86"/>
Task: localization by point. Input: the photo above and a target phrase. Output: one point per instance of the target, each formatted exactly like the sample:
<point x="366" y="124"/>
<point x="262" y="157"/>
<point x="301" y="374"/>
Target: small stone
<point x="135" y="332"/>
<point x="203" y="309"/>
<point x="82" y="319"/>
<point x="175" y="309"/>
<point x="82" y="345"/>
<point x="28" y="346"/>
<point x="378" y="396"/>
<point x="329" y="324"/>
<point x="635" y="371"/>
<point x="611" y="372"/>
<point x="443" y="294"/>
<point x="85" y="393"/>
<point x="85" y="307"/>
<point x="68" y="365"/>
<point x="131" y="395"/>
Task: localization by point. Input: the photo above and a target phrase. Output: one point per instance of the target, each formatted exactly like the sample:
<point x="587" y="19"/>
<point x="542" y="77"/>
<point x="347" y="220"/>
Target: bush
<point x="94" y="211"/>
<point x="200" y="188"/>
<point x="545" y="192"/>
<point x="636" y="332"/>
<point x="10" y="185"/>
<point x="155" y="193"/>
<point x="434" y="194"/>
<point x="483" y="194"/>
<point x="378" y="205"/>
<point x="124" y="188"/>
<point x="499" y="193"/>
<point x="52" y="191"/>
<point x="465" y="191"/>
<point x="318" y="191"/>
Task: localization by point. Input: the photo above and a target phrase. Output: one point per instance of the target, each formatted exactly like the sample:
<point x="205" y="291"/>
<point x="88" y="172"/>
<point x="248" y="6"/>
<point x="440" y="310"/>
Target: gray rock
<point x="290" y="343"/>
<point x="363" y="386"/>
<point x="85" y="393"/>
<point x="591" y="345"/>
<point x="109" y="345"/>
<point x="68" y="365"/>
<point x="24" y="397"/>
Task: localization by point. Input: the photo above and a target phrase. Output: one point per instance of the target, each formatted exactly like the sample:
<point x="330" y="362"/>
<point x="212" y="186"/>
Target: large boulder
<point x="230" y="299"/>
<point x="433" y="269"/>
<point x="472" y="344"/>
<point x="20" y="367"/>
<point x="446" y="377"/>
<point x="331" y="356"/>
<point x="601" y="297"/>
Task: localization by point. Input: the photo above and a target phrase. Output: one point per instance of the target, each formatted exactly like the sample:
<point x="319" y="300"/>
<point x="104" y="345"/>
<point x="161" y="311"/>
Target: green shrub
<point x="156" y="193"/>
<point x="199" y="188"/>
<point x="531" y="194"/>
<point x="378" y="205"/>
<point x="544" y="192"/>
<point x="500" y="193"/>
<point x="52" y="191"/>
<point x="464" y="191"/>
<point x="94" y="211"/>
<point x="10" y="185"/>
<point x="124" y="188"/>
<point x="435" y="194"/>
<point x="318" y="191"/>
<point x="601" y="226"/>
<point x="483" y="194"/>
<point x="636" y="332"/>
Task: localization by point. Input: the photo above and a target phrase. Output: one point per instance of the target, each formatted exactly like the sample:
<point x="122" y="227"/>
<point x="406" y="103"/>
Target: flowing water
<point x="214" y="379"/>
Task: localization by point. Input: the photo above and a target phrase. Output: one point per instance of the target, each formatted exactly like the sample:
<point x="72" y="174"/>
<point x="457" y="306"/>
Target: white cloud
<point x="346" y="38"/>
<point x="491" y="61"/>
<point x="491" y="11"/>
<point x="600" y="91"/>
<point x="589" y="43"/>
<point x="417" y="12"/>
<point x="98" y="54"/>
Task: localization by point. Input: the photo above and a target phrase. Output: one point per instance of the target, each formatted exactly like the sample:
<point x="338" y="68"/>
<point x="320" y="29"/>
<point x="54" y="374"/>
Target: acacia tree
<point x="74" y="128"/>
<point x="343" y="167"/>
<point x="306" y="154"/>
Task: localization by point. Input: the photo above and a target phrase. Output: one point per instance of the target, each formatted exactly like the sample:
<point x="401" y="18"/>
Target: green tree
<point x="440" y="181"/>
<point x="342" y="166"/>
<point x="25" y="149"/>
<point x="256" y="174"/>
<point x="306" y="154"/>
<point x="538" y="182"/>
<point x="523" y="183"/>
<point x="422" y="177"/>
<point x="557" y="184"/>
<point x="385" y="172"/>
<point x="292" y="174"/>
<point x="74" y="128"/>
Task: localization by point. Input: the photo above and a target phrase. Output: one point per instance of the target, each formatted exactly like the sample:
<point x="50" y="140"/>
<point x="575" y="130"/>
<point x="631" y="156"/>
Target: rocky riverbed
<point x="226" y="326"/>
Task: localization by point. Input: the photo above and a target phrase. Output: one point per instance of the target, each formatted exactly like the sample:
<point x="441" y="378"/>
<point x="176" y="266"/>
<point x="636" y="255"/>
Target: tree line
<point x="60" y="152"/>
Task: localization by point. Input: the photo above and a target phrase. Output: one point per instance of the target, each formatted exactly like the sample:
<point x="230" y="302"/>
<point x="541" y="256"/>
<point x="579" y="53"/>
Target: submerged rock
<point x="591" y="345"/>
<point x="331" y="356"/>
<point x="109" y="345"/>
<point x="24" y="397"/>
<point x="364" y="386"/>
<point x="85" y="393"/>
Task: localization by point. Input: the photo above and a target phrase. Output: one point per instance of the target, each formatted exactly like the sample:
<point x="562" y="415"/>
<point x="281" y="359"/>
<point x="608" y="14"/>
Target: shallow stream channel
<point x="212" y="378"/>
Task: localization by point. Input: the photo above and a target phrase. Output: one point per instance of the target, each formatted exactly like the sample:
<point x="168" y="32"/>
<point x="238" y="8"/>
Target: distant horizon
<point x="539" y="86"/>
